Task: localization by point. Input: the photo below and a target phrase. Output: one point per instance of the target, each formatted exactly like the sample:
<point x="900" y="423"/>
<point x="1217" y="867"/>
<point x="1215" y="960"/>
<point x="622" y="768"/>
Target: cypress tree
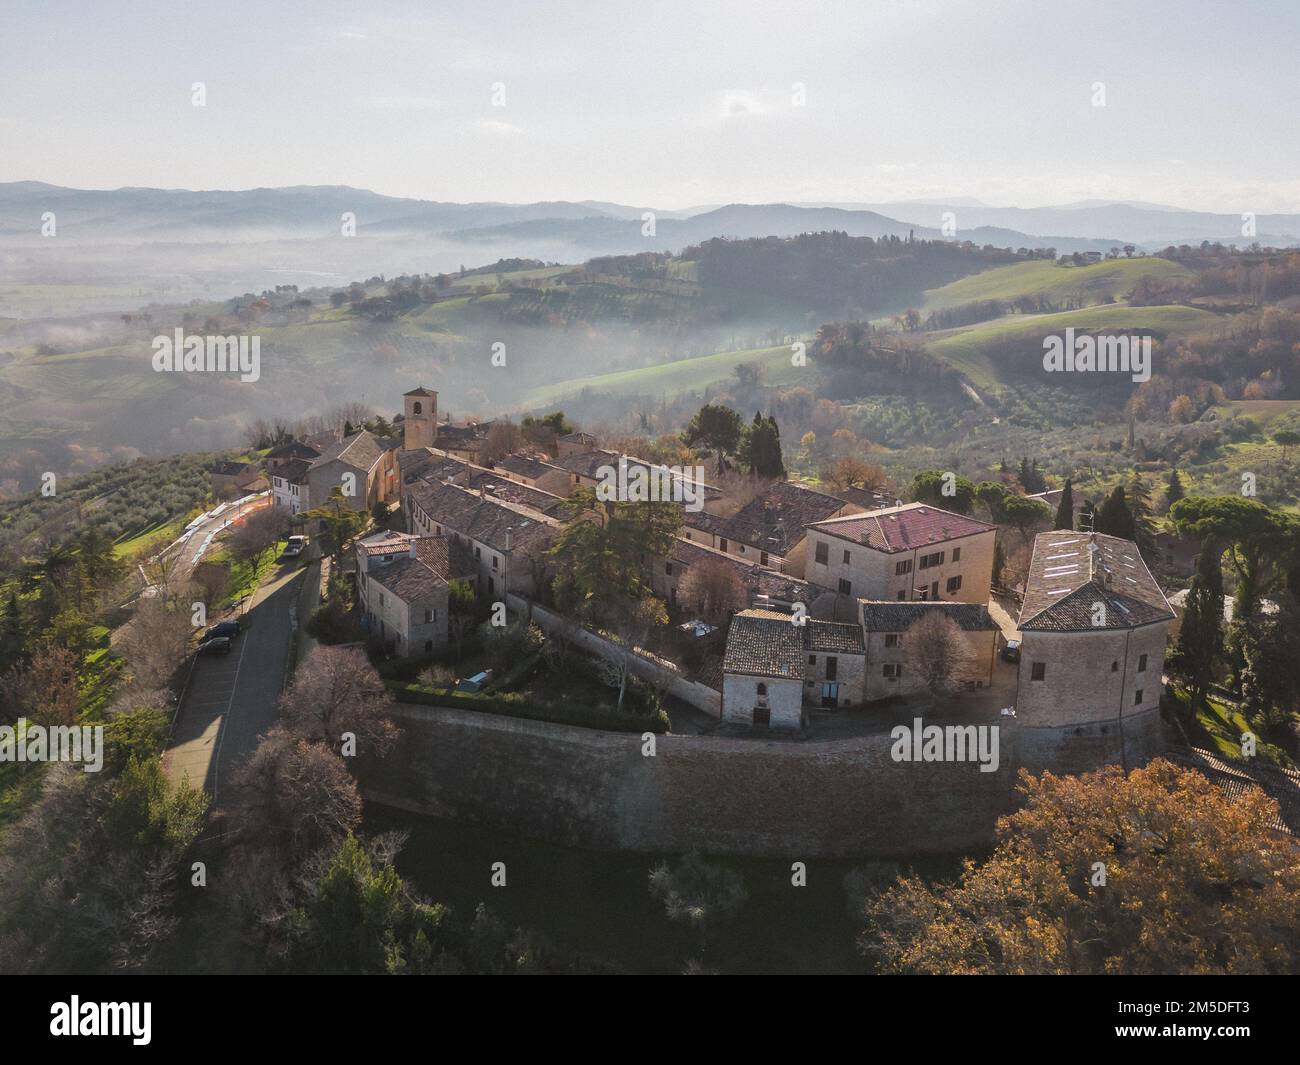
<point x="1200" y="639"/>
<point x="1174" y="489"/>
<point x="1114" y="517"/>
<point x="1065" y="511"/>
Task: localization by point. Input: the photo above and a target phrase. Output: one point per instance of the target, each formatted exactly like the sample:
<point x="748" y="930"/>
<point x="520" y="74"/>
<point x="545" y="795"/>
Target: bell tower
<point x="420" y="407"/>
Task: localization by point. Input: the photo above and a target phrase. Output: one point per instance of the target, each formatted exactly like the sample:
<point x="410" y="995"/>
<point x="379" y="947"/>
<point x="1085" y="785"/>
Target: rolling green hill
<point x="673" y="378"/>
<point x="974" y="349"/>
<point x="1114" y="278"/>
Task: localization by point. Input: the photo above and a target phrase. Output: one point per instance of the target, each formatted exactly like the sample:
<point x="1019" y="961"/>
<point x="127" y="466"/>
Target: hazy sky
<point x="664" y="104"/>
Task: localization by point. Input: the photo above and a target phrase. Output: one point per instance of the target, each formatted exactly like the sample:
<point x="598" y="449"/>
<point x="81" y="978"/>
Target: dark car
<point x="218" y="645"/>
<point x="228" y="629"/>
<point x="1011" y="652"/>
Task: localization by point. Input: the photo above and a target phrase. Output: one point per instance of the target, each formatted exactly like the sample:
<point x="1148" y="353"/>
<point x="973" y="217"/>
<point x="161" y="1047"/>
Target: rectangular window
<point x="495" y="560"/>
<point x="722" y="543"/>
<point x="954" y="584"/>
<point x="430" y="616"/>
<point x="903" y="567"/>
<point x="892" y="670"/>
<point x="956" y="554"/>
<point x="762" y="559"/>
<point x="846" y="587"/>
<point x="668" y="568"/>
<point x="822" y="554"/>
<point x="1142" y="664"/>
<point x="832" y="664"/>
<point x="1137" y="697"/>
<point x="891" y="639"/>
<point x="902" y="594"/>
<point x="812" y="660"/>
<point x="1039" y="671"/>
<point x="846" y="558"/>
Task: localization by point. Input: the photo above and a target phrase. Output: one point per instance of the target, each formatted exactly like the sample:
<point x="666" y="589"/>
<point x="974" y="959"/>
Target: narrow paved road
<point x="231" y="699"/>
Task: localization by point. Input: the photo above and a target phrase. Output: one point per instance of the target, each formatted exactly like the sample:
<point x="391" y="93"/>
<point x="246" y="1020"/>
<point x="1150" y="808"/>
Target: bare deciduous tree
<point x="713" y="587"/>
<point x="210" y="581"/>
<point x="937" y="651"/>
<point x="294" y="796"/>
<point x="336" y="690"/>
<point x="629" y="625"/>
<point x="154" y="642"/>
<point x="257" y="534"/>
<point x="503" y="438"/>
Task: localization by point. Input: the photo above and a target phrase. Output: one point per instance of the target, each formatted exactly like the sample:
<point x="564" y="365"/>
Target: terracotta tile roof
<point x="437" y="561"/>
<point x="526" y="466"/>
<point x="484" y="519"/>
<point x="905" y="528"/>
<point x="834" y="637"/>
<point x="499" y="487"/>
<point x="759" y="580"/>
<point x="1071" y="572"/>
<point x="772" y="521"/>
<point x="892" y="616"/>
<point x="361" y="450"/>
<point x="420" y="391"/>
<point x="589" y="463"/>
<point x="293" y="449"/>
<point x="764" y="643"/>
<point x="294" y="471"/>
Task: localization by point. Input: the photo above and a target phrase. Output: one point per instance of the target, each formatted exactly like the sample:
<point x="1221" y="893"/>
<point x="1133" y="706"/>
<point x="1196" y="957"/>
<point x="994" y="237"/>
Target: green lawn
<point x="129" y="547"/>
<point x="1219" y="725"/>
<point x="244" y="578"/>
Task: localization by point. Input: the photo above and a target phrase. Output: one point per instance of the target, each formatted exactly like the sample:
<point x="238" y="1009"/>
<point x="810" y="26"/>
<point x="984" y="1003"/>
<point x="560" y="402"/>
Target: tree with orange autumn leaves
<point x="1156" y="872"/>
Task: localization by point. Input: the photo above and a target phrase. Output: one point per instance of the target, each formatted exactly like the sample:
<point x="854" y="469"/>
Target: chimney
<point x="482" y="491"/>
<point x="414" y="545"/>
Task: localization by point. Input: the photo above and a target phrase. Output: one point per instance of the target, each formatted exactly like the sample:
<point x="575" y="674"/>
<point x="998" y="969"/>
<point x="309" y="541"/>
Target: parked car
<point x="228" y="629"/>
<point x="218" y="645"/>
<point x="1011" y="652"/>
<point x="295" y="546"/>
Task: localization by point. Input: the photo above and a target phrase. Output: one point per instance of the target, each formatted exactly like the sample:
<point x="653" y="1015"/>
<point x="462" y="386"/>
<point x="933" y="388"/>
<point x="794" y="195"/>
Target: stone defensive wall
<point x="783" y="797"/>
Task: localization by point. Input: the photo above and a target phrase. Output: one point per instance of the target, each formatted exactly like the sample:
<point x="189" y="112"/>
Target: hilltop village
<point x="803" y="600"/>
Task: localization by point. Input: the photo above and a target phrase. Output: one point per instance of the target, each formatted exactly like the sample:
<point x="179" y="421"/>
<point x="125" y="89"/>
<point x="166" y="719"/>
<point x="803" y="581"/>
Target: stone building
<point x="1093" y="626"/>
<point x="508" y="541"/>
<point x="362" y="466"/>
<point x="402" y="589"/>
<point x="909" y="552"/>
<point x="762" y="671"/>
<point x="892" y="664"/>
<point x="773" y="668"/>
<point x="770" y="529"/>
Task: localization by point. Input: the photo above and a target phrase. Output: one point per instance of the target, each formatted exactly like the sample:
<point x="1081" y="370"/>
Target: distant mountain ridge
<point x="305" y="212"/>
